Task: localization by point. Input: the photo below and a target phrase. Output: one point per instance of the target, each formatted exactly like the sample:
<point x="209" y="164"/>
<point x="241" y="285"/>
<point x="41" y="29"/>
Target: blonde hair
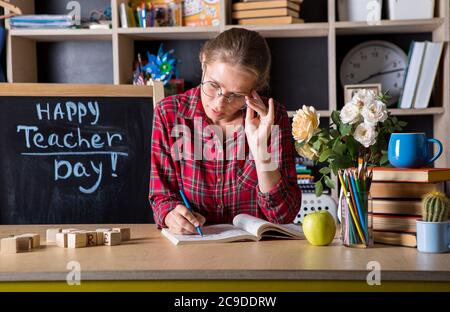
<point x="239" y="46"/>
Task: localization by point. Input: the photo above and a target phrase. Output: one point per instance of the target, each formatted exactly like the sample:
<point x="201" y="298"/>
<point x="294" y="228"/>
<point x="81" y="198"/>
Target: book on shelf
<point x="42" y="21"/>
<point x="428" y="72"/>
<point x="395" y="238"/>
<point x="411" y="175"/>
<point x="416" y="53"/>
<point x="280" y="20"/>
<point x="241" y="6"/>
<point x="397" y="206"/>
<point x="394" y="223"/>
<point x="265" y="13"/>
<point x="405" y="190"/>
<point x="244" y="228"/>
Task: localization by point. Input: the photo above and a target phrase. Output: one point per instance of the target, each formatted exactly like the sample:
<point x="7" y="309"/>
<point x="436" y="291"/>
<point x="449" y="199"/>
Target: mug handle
<point x="439" y="144"/>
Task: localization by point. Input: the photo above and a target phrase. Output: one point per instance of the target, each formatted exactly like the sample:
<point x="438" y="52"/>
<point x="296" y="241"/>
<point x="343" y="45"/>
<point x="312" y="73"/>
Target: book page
<point x="211" y="233"/>
<point x="258" y="227"/>
<point x="249" y="223"/>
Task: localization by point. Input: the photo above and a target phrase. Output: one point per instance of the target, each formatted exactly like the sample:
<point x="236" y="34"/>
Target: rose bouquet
<point x="357" y="135"/>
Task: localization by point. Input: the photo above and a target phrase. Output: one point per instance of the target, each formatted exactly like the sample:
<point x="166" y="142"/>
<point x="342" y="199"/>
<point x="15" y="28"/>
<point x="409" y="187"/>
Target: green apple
<point x="319" y="228"/>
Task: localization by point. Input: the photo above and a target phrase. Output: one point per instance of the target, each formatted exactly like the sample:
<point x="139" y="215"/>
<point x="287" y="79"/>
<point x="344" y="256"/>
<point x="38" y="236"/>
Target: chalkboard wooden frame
<point x="25" y="203"/>
<point x="61" y="89"/>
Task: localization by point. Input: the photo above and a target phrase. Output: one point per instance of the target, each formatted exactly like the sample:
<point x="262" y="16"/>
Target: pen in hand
<point x="199" y="230"/>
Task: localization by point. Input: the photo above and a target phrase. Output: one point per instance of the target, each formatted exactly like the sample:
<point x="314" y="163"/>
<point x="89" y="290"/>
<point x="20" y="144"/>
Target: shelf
<point x="395" y="112"/>
<point x="417" y="111"/>
<point x="287" y="31"/>
<point x="388" y="27"/>
<point x="63" y="34"/>
<point x="170" y="33"/>
<point x="322" y="113"/>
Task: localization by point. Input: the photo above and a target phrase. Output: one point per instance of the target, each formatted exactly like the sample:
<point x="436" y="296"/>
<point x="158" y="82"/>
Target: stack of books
<point x="423" y="65"/>
<point x="305" y="175"/>
<point x="397" y="201"/>
<point x="267" y="12"/>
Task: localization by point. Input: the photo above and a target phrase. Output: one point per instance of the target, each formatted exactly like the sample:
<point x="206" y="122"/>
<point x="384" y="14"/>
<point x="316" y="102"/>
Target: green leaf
<point x="325" y="155"/>
<point x="335" y="116"/>
<point x="352" y="146"/>
<point x="402" y="123"/>
<point x="317" y="145"/>
<point x="334" y="133"/>
<point x="339" y="147"/>
<point x="325" y="170"/>
<point x="384" y="159"/>
<point x="319" y="188"/>
<point x="345" y="129"/>
<point x="330" y="183"/>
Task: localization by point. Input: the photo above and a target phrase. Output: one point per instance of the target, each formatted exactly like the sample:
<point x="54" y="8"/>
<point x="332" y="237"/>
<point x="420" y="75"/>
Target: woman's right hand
<point x="181" y="221"/>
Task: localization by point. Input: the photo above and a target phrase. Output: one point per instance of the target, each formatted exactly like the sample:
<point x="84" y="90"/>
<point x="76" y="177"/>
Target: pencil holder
<point x="356" y="220"/>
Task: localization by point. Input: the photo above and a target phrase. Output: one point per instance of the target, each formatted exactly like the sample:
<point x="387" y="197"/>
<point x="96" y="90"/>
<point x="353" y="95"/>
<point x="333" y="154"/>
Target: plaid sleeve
<point x="282" y="203"/>
<point x="163" y="193"/>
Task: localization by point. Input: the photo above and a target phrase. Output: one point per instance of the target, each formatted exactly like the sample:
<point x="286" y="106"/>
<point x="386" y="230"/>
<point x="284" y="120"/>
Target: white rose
<point x="365" y="134"/>
<point x="374" y="112"/>
<point x="305" y="122"/>
<point x="350" y="113"/>
<point x="364" y="97"/>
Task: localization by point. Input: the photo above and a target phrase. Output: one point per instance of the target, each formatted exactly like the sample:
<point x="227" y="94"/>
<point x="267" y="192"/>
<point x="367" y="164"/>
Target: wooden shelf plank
<point x="417" y="111"/>
<point x="322" y="113"/>
<point x="63" y="34"/>
<point x="395" y="112"/>
<point x="287" y="31"/>
<point x="170" y="33"/>
<point x="388" y="26"/>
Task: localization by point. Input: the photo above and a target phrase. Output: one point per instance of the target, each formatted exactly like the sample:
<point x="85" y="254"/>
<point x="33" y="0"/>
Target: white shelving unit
<point x="22" y="63"/>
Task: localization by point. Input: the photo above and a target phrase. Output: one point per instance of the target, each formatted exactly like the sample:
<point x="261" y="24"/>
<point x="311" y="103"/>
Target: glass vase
<point x="356" y="220"/>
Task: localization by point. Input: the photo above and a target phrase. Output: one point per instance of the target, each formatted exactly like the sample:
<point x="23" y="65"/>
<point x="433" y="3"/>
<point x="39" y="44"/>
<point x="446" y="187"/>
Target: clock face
<point x="376" y="62"/>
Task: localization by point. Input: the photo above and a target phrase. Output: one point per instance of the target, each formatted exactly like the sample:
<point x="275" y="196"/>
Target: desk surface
<point x="149" y="256"/>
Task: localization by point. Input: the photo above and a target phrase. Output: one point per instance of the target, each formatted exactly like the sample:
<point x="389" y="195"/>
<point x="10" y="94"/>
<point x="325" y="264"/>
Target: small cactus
<point x="435" y="207"/>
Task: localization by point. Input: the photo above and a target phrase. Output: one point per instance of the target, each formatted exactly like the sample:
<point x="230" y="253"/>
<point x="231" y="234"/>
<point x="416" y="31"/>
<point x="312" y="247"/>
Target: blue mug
<point x="433" y="237"/>
<point x="411" y="150"/>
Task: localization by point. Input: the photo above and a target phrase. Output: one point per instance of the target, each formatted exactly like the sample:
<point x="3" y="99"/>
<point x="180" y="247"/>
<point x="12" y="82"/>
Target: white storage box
<point x="359" y="10"/>
<point x="410" y="9"/>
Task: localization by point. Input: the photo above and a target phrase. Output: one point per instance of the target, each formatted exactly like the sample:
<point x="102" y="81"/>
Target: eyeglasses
<point x="213" y="90"/>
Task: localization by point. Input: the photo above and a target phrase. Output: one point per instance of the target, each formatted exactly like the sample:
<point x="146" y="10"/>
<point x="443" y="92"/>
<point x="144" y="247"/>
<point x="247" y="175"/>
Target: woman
<point x="251" y="172"/>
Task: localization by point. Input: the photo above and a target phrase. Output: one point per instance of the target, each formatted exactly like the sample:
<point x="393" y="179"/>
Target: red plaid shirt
<point x="221" y="188"/>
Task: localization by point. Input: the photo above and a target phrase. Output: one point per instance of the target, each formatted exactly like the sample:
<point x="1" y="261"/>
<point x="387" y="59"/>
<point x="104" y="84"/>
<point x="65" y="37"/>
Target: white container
<point x="410" y="9"/>
<point x="359" y="10"/>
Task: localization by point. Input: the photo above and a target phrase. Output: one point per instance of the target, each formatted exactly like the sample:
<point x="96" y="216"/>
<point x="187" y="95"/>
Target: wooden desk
<point x="149" y="259"/>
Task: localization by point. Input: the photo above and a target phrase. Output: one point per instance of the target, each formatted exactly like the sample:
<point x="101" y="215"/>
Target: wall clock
<point x="376" y="62"/>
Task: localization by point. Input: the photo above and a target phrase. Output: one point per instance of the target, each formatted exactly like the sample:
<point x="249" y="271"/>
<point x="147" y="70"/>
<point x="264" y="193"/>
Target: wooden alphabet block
<point x="91" y="238"/>
<point x="125" y="231"/>
<point x="76" y="240"/>
<point x="51" y="234"/>
<point x="35" y="239"/>
<point x="11" y="245"/>
<point x="61" y="239"/>
<point x="112" y="238"/>
<point x="101" y="235"/>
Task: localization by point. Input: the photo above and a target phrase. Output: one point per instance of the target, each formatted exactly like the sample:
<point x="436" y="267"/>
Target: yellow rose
<point x="307" y="151"/>
<point x="306" y="120"/>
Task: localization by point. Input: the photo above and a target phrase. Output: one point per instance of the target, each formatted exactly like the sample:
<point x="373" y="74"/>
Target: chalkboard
<point x="75" y="154"/>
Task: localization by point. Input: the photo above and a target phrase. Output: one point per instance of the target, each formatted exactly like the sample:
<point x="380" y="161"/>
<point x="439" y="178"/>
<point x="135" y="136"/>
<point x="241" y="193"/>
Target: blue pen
<point x="199" y="230"/>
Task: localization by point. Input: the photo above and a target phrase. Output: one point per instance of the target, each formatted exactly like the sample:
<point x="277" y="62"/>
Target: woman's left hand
<point x="258" y="128"/>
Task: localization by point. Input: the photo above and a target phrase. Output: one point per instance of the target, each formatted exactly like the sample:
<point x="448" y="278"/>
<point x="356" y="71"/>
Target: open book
<point x="244" y="227"/>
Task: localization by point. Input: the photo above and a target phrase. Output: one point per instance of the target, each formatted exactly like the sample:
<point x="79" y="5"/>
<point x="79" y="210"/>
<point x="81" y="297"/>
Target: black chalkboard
<point x="77" y="159"/>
